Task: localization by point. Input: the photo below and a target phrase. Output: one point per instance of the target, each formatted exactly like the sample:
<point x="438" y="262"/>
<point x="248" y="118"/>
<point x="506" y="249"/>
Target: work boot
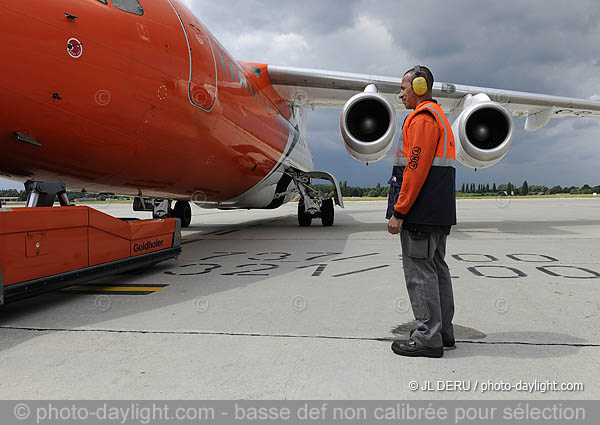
<point x="412" y="348"/>
<point x="449" y="343"/>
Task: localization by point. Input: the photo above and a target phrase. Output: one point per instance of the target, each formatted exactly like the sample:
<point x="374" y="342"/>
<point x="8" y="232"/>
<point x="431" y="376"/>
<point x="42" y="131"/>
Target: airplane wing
<point x="330" y="89"/>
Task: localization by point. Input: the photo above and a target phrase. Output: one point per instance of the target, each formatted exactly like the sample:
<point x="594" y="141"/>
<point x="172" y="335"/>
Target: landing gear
<point x="161" y="208"/>
<point x="304" y="218"/>
<point x="312" y="204"/>
<point x="183" y="211"/>
<point x="43" y="194"/>
<point x="327" y="212"/>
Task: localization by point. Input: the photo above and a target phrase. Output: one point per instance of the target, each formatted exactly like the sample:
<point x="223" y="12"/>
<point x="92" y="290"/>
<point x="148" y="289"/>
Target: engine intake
<point x="368" y="125"/>
<point x="483" y="131"/>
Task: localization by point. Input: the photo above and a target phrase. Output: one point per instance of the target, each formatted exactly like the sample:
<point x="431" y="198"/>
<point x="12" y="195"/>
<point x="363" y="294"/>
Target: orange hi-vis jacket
<point x="424" y="168"/>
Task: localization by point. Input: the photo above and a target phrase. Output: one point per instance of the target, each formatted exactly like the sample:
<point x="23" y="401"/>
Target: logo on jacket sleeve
<point x="414" y="158"/>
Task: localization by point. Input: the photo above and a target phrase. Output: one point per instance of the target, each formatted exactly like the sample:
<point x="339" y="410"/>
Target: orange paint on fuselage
<point x="125" y="116"/>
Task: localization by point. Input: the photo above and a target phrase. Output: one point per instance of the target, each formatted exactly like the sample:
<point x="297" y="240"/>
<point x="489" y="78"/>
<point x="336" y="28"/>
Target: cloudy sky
<point x="539" y="46"/>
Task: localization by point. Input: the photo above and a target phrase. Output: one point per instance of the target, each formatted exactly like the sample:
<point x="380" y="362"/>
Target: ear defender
<point x="419" y="83"/>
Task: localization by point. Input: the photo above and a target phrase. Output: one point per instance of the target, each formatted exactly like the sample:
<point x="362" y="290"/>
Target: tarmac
<point x="258" y="308"/>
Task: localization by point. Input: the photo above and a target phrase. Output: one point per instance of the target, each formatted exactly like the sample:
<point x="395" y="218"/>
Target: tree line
<point x="468" y="189"/>
<point x="22" y="195"/>
<point x="354" y="191"/>
<point x="525" y="189"/>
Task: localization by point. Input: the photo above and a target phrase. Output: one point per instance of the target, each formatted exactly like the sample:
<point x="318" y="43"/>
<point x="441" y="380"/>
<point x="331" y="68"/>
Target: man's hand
<point x="395" y="225"/>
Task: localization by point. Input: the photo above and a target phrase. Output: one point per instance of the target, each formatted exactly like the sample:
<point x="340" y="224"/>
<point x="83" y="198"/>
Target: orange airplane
<point x="137" y="97"/>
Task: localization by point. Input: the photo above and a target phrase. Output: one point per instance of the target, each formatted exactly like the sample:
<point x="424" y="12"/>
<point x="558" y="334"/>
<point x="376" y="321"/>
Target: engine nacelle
<point x="483" y="132"/>
<point x="368" y="125"/>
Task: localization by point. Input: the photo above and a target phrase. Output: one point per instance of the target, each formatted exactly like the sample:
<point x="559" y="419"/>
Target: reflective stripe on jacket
<point x="424" y="168"/>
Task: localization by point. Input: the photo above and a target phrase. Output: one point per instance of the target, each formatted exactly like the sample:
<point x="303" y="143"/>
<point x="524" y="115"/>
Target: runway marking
<point x="320" y="268"/>
<point x="222" y="254"/>
<point x="488" y="258"/>
<point x="109" y="288"/>
<point x="265" y="268"/>
<point x="361" y="271"/>
<point x="516" y="272"/>
<point x="206" y="268"/>
<point x="253" y="271"/>
<point x="187" y="241"/>
<point x="322" y="254"/>
<point x="355" y="256"/>
<point x="279" y="256"/>
<point x="282" y="259"/>
<point x="222" y="232"/>
<point x="592" y="273"/>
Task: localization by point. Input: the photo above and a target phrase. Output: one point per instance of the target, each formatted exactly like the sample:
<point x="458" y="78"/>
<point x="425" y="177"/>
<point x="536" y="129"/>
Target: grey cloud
<point x="312" y="16"/>
<point x="509" y="44"/>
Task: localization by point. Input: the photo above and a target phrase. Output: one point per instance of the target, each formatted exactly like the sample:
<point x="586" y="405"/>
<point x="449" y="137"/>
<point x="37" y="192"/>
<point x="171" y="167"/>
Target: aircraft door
<point x="202" y="87"/>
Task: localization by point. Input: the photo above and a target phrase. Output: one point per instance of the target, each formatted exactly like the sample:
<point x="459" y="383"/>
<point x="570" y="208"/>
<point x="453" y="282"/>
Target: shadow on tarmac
<point x="69" y="311"/>
<point x="523" y="344"/>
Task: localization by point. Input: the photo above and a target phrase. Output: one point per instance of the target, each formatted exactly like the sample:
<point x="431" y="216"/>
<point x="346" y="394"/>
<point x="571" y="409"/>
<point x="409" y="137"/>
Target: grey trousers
<point x="429" y="286"/>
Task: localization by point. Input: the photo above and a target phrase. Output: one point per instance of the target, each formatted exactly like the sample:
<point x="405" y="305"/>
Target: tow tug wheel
<point x="183" y="211"/>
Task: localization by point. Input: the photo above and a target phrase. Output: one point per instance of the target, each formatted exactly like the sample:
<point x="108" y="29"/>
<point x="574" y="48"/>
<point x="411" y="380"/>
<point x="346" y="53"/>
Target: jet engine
<point x="483" y="132"/>
<point x="368" y="125"/>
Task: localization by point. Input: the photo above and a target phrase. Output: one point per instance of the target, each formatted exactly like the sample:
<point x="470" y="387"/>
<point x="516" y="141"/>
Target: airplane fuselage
<point x="144" y="104"/>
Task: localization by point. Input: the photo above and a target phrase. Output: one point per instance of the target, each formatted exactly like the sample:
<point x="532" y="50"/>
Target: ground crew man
<point x="422" y="208"/>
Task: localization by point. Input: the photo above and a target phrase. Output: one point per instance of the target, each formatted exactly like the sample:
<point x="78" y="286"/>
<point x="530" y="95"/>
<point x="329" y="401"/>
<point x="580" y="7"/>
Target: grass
<point x="379" y="198"/>
<point x="558" y="195"/>
<point x="477" y="196"/>
<point x="365" y="198"/>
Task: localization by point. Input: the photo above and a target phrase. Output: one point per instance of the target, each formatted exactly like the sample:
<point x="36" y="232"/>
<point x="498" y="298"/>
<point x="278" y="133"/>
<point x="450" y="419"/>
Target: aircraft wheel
<point x="327" y="212"/>
<point x="183" y="211"/>
<point x="304" y="219"/>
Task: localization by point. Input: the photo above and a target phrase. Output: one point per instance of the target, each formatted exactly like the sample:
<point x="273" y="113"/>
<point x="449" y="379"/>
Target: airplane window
<point x="222" y="60"/>
<point x="243" y="81"/>
<point x="232" y="72"/>
<point x="131" y="6"/>
<point x="103" y="1"/>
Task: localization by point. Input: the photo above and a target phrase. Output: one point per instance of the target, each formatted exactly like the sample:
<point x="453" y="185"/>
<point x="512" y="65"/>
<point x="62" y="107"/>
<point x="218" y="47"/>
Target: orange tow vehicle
<point x="44" y="248"/>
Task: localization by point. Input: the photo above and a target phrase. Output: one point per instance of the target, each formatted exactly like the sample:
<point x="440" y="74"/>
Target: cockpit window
<point x="103" y="1"/>
<point x="131" y="6"/>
